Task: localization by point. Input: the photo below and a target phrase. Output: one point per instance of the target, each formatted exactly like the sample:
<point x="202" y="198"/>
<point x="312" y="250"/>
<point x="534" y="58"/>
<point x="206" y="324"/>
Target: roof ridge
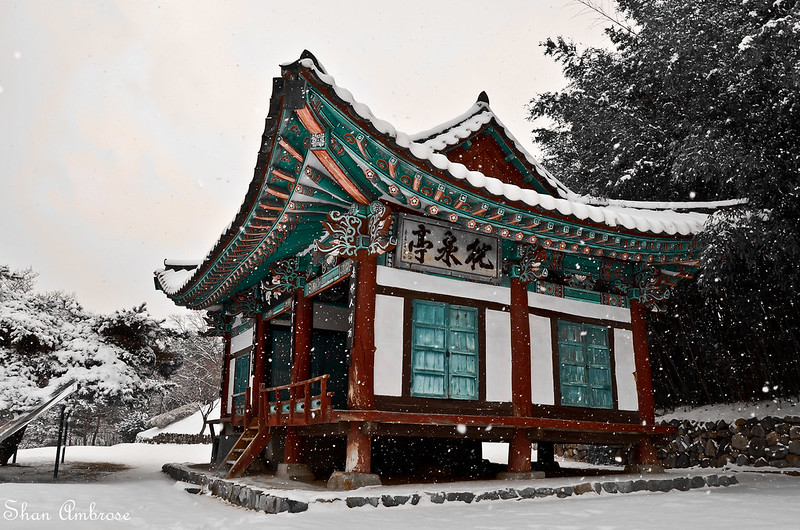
<point x="480" y="106"/>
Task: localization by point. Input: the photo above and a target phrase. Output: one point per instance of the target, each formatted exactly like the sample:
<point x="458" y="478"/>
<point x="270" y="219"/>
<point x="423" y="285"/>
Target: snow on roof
<point x="173" y="280"/>
<point x="181" y="264"/>
<point x="456" y="129"/>
<point x="453" y="131"/>
<point x="655" y="218"/>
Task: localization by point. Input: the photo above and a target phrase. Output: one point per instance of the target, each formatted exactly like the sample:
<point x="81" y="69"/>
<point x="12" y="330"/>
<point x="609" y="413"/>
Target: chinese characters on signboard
<point x="442" y="248"/>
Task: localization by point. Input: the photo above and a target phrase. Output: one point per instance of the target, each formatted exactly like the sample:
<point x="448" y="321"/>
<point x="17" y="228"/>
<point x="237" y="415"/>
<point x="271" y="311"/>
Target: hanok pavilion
<point x="388" y="302"/>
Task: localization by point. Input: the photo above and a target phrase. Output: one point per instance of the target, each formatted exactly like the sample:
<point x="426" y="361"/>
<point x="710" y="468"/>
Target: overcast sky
<point x="129" y="130"/>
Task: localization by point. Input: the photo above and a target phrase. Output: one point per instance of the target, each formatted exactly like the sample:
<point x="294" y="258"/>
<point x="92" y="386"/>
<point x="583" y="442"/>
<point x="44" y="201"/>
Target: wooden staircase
<point x="246" y="449"/>
<point x="302" y="408"/>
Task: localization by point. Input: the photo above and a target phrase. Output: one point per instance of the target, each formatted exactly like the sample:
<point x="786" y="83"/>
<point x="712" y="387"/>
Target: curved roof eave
<point x="642" y="217"/>
<point x="654" y="218"/>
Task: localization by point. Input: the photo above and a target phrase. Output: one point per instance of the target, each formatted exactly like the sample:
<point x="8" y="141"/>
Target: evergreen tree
<point x="699" y="100"/>
<point x="48" y="339"/>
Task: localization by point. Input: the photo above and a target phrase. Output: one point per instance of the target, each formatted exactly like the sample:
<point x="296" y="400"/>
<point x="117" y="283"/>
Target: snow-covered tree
<point x="48" y="338"/>
<point x="699" y="100"/>
<point x="197" y="381"/>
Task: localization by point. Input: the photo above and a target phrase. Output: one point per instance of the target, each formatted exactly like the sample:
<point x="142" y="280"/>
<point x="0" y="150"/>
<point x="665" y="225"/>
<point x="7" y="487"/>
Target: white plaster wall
<point x="388" y="375"/>
<point x="429" y="283"/>
<point x="498" y="356"/>
<point x="625" y="366"/>
<point x="542" y="391"/>
<point x="242" y="340"/>
<point x="578" y="308"/>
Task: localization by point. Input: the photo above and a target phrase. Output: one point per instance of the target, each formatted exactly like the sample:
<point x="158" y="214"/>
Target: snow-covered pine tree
<point x="118" y="360"/>
<point x="699" y="100"/>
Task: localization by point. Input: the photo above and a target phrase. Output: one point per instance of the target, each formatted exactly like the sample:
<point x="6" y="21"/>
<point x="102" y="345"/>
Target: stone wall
<point x="769" y="441"/>
<point x="174" y="438"/>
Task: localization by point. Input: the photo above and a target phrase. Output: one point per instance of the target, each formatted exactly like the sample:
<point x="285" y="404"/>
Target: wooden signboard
<point x="435" y="246"/>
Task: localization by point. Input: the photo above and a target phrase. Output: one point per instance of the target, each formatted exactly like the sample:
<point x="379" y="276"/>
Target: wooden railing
<point x="301" y="408"/>
<point x="240" y="411"/>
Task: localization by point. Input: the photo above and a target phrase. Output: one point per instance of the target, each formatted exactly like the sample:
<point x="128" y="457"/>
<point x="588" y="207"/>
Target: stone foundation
<point x="256" y="498"/>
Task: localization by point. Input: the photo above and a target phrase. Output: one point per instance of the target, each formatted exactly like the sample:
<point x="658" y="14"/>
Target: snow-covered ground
<point x="153" y="500"/>
<point x="733" y="411"/>
<point x="189" y="425"/>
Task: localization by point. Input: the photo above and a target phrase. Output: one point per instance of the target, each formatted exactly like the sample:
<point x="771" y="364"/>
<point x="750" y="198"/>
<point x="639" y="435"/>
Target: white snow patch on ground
<point x="733" y="411"/>
<point x="188" y="425"/>
<point x="153" y="500"/>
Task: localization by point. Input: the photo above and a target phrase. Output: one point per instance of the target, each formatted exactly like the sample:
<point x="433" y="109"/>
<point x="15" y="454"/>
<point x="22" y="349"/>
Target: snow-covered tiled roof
<point x="655" y="218"/>
<point x="178" y="276"/>
<point x="173" y="280"/>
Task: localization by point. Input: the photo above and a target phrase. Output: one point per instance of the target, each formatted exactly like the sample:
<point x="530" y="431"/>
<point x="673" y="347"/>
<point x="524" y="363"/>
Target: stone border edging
<point x="257" y="499"/>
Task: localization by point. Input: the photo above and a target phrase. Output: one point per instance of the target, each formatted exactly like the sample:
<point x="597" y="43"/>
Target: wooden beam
<point x="301" y="368"/>
<point x="258" y="369"/>
<point x="359" y="450"/>
<point x="308" y="120"/>
<point x="550" y="424"/>
<point x="291" y="150"/>
<point x="361" y="388"/>
<point x="646" y="452"/>
<point x="519" y="452"/>
<point x="225" y="375"/>
<point x="276" y="192"/>
<point x="340" y="176"/>
<point x="283" y="176"/>
<point x="292" y="447"/>
<point x="268" y="219"/>
<point x="519" y="449"/>
<point x="520" y="349"/>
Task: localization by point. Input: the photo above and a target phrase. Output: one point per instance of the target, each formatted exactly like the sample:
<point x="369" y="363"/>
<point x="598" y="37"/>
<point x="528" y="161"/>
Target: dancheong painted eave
<point x="294" y="184"/>
<point x="655" y="217"/>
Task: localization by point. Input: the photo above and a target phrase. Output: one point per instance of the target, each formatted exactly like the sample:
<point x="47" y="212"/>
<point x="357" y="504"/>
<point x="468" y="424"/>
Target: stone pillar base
<point x="525" y="475"/>
<point x="294" y="472"/>
<point x="644" y="468"/>
<point x="342" y="480"/>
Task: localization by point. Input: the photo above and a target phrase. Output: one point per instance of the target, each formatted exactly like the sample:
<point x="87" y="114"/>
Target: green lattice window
<point x="584" y="365"/>
<point x="444" y="351"/>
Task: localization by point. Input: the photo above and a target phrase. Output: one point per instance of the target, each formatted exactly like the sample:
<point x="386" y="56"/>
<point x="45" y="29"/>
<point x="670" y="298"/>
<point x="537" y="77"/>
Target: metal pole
<point x="66" y="431"/>
<point x="58" y="445"/>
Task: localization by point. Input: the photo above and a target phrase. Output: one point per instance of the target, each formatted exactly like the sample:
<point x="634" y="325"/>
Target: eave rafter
<point x="353" y="189"/>
<point x="269" y="221"/>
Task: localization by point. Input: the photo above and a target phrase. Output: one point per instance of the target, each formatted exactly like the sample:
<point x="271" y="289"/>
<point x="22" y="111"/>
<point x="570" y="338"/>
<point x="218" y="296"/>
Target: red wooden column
<point x="361" y="388"/>
<point x="359" y="450"/>
<point x="226" y="368"/>
<point x="646" y="452"/>
<point x="303" y="315"/>
<point x="519" y="448"/>
<point x="301" y="367"/>
<point x="258" y="370"/>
